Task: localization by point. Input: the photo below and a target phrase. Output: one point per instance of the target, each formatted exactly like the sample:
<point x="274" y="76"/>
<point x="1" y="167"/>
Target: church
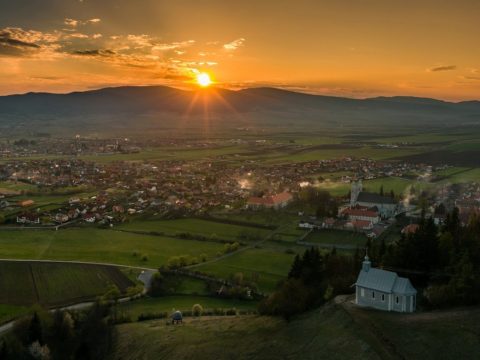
<point x="385" y="205"/>
<point x="384" y="290"/>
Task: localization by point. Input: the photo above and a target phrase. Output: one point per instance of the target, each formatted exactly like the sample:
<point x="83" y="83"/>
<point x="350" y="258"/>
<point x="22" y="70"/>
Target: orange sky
<point x="358" y="48"/>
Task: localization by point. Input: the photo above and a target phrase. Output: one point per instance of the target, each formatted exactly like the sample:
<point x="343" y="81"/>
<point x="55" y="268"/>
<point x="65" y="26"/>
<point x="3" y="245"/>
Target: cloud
<point x="173" y="45"/>
<point x="71" y="22"/>
<point x="21" y="43"/>
<point x="234" y="45"/>
<point x="442" y="68"/>
<point x="75" y="23"/>
<point x="77" y="36"/>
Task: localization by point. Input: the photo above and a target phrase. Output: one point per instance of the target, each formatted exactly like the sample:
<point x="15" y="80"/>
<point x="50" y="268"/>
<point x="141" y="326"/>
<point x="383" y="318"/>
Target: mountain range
<point x="160" y="106"/>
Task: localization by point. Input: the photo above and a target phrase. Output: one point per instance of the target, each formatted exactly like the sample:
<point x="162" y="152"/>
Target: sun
<point x="203" y="79"/>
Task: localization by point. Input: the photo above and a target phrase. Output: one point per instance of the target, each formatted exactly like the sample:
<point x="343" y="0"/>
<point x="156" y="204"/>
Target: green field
<point x="23" y="284"/>
<point x="336" y="237"/>
<point x="95" y="245"/>
<point x="183" y="303"/>
<point x="269" y="264"/>
<point x="209" y="229"/>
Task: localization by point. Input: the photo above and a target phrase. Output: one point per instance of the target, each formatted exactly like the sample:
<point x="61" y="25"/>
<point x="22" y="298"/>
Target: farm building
<point x="384" y="290"/>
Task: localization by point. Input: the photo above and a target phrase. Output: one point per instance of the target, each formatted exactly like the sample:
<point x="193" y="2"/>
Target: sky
<point x="353" y="48"/>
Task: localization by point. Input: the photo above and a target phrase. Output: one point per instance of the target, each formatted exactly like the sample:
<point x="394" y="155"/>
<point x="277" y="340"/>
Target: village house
<point x="277" y="201"/>
<point x="61" y="218"/>
<point x="384" y="290"/>
<point x="28" y="218"/>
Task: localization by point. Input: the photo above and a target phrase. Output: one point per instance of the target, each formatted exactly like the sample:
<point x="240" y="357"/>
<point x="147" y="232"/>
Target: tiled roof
<point x="270" y="200"/>
<point x="360" y="212"/>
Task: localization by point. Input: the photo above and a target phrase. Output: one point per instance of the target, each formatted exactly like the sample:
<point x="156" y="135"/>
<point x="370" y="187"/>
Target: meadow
<point x="266" y="266"/>
<point x="331" y="332"/>
<point x="317" y="335"/>
<point x="206" y="228"/>
<point x="336" y="237"/>
<point x="97" y="245"/>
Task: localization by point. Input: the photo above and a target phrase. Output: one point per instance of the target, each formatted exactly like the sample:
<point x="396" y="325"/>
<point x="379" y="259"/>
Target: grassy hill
<point x="323" y="334"/>
<point x="331" y="332"/>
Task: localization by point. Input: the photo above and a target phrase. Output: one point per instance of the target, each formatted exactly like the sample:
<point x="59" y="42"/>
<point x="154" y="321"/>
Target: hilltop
<point x="335" y="331"/>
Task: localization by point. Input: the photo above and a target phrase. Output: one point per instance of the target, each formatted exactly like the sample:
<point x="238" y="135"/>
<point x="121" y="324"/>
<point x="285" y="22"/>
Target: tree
<point x="35" y="331"/>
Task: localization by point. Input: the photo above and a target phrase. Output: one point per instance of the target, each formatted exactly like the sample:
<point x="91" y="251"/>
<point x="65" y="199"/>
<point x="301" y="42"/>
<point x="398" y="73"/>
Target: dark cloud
<point x="14" y="47"/>
<point x="96" y="52"/>
<point x="443" y="68"/>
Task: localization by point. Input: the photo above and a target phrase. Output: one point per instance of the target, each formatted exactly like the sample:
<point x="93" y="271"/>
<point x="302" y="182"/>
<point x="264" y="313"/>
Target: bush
<point x="152" y="316"/>
<point x="197" y="310"/>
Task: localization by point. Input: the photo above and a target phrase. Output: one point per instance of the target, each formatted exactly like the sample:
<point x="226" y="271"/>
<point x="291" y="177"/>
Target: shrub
<point x="197" y="310"/>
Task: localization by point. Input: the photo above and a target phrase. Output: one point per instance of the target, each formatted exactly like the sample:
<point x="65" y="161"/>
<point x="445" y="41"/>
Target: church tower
<point x="357" y="188"/>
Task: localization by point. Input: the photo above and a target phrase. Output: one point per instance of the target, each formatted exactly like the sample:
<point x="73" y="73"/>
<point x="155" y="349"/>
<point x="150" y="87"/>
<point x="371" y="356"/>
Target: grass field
<point x="95" y="245"/>
<point x="336" y="237"/>
<point x="23" y="284"/>
<point x="10" y="312"/>
<point x="446" y="334"/>
<point x="318" y="335"/>
<point x="182" y="303"/>
<point x="329" y="332"/>
<point x="269" y="264"/>
<point x="209" y="229"/>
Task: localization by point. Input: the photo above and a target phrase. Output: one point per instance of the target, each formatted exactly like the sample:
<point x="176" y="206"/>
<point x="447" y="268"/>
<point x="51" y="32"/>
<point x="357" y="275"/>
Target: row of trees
<point x="61" y="335"/>
<point x="313" y="279"/>
<point x="449" y="256"/>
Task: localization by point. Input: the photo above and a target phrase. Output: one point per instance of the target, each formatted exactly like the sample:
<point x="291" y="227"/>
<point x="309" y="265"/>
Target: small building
<point x="28" y="218"/>
<point x="384" y="290"/>
<point x="410" y="229"/>
<point x="26" y="203"/>
<point x="273" y="201"/>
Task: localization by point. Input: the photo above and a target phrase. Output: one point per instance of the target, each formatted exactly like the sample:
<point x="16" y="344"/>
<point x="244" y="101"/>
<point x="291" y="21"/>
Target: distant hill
<point x="129" y="108"/>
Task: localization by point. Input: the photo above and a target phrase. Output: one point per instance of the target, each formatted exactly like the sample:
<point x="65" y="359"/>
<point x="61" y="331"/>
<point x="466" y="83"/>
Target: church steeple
<point x="366" y="265"/>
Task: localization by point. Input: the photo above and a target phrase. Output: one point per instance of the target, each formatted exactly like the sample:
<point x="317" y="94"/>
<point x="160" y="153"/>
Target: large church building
<point x="386" y="206"/>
